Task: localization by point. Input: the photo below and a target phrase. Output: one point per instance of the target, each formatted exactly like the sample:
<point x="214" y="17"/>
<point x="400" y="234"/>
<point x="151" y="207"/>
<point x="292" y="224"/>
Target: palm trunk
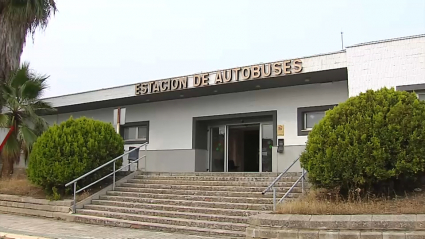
<point x="12" y="41"/>
<point x="7" y="167"/>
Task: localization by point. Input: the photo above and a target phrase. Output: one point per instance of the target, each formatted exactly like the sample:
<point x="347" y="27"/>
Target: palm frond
<point x="20" y="76"/>
<point x="31" y="90"/>
<point x="34" y="13"/>
<point x="26" y="135"/>
<point x="4" y="121"/>
<point x="12" y="147"/>
<point x="43" y="106"/>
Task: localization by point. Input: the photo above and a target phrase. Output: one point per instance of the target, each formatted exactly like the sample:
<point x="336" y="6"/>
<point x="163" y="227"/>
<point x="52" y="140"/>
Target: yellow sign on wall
<point x="280" y="130"/>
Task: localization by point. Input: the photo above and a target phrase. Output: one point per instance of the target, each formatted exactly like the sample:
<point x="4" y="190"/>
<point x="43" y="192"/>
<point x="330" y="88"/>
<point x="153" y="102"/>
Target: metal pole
<point x="74" y="206"/>
<point x="146" y="155"/>
<point x="113" y="182"/>
<point x="274" y="199"/>
<point x="302" y="182"/>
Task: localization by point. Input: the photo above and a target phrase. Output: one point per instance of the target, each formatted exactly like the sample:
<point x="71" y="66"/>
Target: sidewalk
<point x="21" y="227"/>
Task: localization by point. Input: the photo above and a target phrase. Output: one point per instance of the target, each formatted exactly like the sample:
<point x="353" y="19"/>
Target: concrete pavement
<point x="20" y="227"/>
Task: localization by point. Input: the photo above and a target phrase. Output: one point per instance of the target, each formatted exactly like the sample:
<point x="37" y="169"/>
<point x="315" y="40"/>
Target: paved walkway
<point x="38" y="227"/>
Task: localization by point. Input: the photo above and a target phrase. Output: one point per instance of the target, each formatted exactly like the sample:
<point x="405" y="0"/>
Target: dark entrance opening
<point x="244" y="146"/>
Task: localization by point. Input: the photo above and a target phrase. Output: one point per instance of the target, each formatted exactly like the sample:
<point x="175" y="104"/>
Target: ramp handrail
<point x="271" y="186"/>
<point x="279" y="177"/>
<point x="112" y="173"/>
<point x="296" y="182"/>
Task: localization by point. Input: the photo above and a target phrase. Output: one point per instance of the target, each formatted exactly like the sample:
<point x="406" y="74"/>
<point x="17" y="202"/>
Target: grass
<point x="322" y="202"/>
<point x="21" y="187"/>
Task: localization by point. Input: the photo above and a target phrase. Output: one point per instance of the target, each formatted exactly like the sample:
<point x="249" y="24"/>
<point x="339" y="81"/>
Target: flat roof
<point x="320" y="68"/>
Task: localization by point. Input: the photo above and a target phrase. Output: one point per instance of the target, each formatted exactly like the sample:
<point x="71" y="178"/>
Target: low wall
<point x="336" y="226"/>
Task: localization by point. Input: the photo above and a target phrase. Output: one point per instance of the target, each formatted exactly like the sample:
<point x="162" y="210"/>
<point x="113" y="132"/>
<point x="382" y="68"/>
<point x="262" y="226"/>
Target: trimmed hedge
<point x="374" y="141"/>
<point x="71" y="149"/>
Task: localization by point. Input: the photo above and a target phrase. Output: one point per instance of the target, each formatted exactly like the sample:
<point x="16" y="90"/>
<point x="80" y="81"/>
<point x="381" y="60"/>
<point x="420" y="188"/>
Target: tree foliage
<point x="372" y="141"/>
<point x="17" y="19"/>
<point x="21" y="95"/>
<point x="67" y="151"/>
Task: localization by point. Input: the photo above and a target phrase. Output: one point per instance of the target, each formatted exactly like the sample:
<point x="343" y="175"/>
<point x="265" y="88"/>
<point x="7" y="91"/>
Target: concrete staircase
<point x="207" y="204"/>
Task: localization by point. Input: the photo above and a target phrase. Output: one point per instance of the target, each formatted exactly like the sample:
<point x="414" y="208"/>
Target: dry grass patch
<point x="20" y="187"/>
<point x="321" y="202"/>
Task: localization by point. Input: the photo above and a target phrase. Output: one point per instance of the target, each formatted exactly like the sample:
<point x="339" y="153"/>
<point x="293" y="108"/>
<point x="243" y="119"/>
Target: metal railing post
<point x="137" y="163"/>
<point x="146" y="155"/>
<point x="74" y="206"/>
<point x="274" y="199"/>
<point x="302" y="182"/>
<point x="113" y="180"/>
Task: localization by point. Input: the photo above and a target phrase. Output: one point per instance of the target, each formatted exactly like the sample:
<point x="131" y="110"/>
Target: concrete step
<point x="215" y="178"/>
<point x="180" y="208"/>
<point x="158" y="227"/>
<point x="173" y="214"/>
<point x="264" y="185"/>
<point x="254" y="200"/>
<point x="167" y="220"/>
<point x="41" y="207"/>
<point x="205" y="193"/>
<point x="243" y="206"/>
<point x="219" y="174"/>
<point x="283" y="188"/>
<point x="35" y="212"/>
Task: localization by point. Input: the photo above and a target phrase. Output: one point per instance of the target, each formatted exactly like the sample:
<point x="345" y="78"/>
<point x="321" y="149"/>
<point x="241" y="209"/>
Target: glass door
<point x="218" y="149"/>
<point x="266" y="146"/>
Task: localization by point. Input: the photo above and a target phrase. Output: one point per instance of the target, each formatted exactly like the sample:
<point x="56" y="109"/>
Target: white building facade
<point x="247" y="119"/>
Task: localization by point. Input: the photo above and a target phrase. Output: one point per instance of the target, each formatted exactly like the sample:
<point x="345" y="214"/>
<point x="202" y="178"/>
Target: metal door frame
<point x="226" y="143"/>
<point x="261" y="144"/>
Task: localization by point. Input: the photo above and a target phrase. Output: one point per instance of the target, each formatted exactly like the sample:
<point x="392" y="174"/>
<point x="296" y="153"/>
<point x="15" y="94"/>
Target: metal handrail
<point x="112" y="173"/>
<point x="293" y="186"/>
<point x="279" y="177"/>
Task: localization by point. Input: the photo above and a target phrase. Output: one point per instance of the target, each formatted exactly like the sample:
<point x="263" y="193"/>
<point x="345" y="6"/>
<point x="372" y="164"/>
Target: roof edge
<point x="130" y="84"/>
<point x="387" y="40"/>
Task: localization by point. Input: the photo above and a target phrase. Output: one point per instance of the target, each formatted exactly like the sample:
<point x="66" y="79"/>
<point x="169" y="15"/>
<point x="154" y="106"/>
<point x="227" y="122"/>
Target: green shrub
<point x="373" y="141"/>
<point x="66" y="151"/>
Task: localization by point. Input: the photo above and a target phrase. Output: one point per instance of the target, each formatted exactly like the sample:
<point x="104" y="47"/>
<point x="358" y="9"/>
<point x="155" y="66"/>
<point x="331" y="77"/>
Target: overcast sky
<point x="94" y="44"/>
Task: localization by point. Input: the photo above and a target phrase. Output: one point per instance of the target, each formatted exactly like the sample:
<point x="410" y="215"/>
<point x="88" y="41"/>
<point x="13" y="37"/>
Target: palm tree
<point x="17" y="19"/>
<point x="21" y="95"/>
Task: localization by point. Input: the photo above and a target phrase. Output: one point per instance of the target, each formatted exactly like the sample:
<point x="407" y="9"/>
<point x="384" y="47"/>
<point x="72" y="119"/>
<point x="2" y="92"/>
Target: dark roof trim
<point x="413" y="87"/>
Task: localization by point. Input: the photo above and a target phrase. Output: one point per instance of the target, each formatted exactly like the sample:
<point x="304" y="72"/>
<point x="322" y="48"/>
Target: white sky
<point x="93" y="44"/>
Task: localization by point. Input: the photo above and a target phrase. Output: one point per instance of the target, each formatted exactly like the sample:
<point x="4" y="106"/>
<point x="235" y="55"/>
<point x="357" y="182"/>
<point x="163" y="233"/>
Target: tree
<point x="21" y="95"/>
<point x="66" y="151"/>
<point x="373" y="141"/>
<point x="17" y="19"/>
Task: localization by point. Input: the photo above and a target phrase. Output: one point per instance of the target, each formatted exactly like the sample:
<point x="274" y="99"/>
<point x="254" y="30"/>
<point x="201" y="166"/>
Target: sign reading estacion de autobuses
<point x="221" y="77"/>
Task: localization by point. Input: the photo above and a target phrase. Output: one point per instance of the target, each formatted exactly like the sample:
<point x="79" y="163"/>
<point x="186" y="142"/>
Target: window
<point x="309" y="116"/>
<point x="312" y="118"/>
<point x="421" y="96"/>
<point x="137" y="132"/>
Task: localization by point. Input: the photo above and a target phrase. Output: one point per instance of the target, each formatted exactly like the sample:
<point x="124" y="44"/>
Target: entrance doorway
<point x="244" y="146"/>
<point x="236" y="147"/>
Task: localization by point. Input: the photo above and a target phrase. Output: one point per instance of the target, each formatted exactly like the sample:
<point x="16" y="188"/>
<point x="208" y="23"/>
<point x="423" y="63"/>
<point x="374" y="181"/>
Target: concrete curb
<point x="16" y="236"/>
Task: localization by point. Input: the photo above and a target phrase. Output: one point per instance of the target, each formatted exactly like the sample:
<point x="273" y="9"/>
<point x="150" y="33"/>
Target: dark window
<point x="309" y="116"/>
<point x="135" y="132"/>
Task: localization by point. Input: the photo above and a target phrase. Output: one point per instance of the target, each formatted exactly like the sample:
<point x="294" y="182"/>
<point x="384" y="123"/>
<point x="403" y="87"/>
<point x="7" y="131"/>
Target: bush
<point x="71" y="149"/>
<point x="372" y="142"/>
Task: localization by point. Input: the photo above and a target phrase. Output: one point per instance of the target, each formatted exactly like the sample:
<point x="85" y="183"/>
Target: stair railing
<point x="272" y="185"/>
<point x="114" y="170"/>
